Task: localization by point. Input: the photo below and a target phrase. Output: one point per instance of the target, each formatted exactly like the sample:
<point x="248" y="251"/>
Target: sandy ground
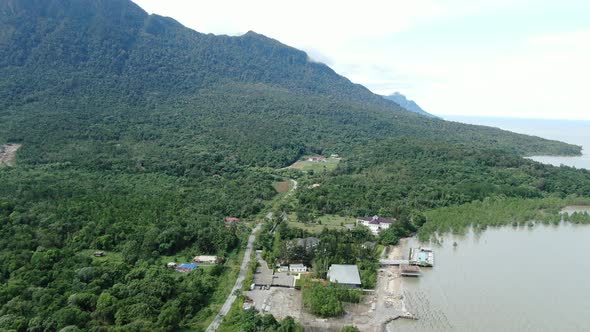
<point x="8" y="154"/>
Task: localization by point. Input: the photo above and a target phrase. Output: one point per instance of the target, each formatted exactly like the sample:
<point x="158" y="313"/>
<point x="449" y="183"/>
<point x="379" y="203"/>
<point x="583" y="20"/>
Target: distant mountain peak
<point x="408" y="105"/>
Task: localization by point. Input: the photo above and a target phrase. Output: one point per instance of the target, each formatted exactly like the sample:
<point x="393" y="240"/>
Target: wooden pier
<point x="394" y="262"/>
<point x="410" y="271"/>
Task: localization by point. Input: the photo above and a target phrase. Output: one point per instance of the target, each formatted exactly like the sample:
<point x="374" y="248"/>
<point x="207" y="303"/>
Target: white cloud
<point x="578" y="38"/>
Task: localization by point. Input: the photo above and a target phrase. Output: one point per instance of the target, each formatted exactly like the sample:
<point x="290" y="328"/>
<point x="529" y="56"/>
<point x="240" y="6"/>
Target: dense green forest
<point x="139" y="136"/>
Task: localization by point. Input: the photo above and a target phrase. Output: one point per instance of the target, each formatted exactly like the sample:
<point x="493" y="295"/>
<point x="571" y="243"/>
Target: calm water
<point x="509" y="279"/>
<point x="506" y="279"/>
<point x="570" y="131"/>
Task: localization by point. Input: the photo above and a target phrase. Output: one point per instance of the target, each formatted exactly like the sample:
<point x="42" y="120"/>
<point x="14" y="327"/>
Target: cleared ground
<point x="328" y="221"/>
<point x="280" y="302"/>
<point x="8" y="154"/>
<point x="316" y="166"/>
<point x="282" y="187"/>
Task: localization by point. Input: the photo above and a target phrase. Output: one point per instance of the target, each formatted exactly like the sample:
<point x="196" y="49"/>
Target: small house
<point x="171" y="265"/>
<point x="99" y="254"/>
<point x="186" y="267"/>
<point x="284" y="268"/>
<point x="205" y="259"/>
<point x="231" y="220"/>
<point x="309" y="243"/>
<point x="317" y="159"/>
<point x="347" y="275"/>
<point x="297" y="268"/>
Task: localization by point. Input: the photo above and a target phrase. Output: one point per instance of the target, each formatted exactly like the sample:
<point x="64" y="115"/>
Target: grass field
<point x="305" y="165"/>
<point x="326" y="221"/>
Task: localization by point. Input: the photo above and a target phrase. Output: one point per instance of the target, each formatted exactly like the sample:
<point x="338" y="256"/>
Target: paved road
<point x="238" y="285"/>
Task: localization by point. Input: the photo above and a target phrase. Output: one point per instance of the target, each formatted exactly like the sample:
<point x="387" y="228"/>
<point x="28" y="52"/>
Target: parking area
<point x="263" y="275"/>
<point x="283" y="279"/>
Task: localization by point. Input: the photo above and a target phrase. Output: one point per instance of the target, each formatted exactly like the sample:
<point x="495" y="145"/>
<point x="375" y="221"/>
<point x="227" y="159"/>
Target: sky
<point x="508" y="58"/>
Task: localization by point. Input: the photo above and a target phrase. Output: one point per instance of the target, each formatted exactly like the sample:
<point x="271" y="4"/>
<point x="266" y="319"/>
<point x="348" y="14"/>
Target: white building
<point x="297" y="268"/>
<point x="375" y="223"/>
<point x="205" y="259"/>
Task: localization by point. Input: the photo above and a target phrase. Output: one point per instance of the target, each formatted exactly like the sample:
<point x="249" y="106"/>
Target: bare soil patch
<point x="8" y="154"/>
<point x="282" y="187"/>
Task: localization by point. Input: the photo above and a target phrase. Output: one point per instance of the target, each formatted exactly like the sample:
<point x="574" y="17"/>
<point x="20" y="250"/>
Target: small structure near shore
<point x="422" y="257"/>
<point x="410" y="271"/>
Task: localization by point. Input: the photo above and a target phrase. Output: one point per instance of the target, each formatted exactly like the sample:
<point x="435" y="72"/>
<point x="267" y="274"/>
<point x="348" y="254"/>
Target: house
<point x="347" y="275"/>
<point x="309" y="243"/>
<point x="186" y="267"/>
<point x="317" y="159"/>
<point x="231" y="220"/>
<point x="315" y="185"/>
<point x="99" y="254"/>
<point x="375" y="223"/>
<point x="171" y="265"/>
<point x="284" y="268"/>
<point x="297" y="268"/>
<point x="205" y="259"/>
<point x="334" y="155"/>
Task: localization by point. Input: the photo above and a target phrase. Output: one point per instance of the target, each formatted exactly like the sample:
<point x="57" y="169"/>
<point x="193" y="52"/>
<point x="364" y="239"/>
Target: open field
<point x="327" y="221"/>
<point x="8" y="154"/>
<point x="305" y="165"/>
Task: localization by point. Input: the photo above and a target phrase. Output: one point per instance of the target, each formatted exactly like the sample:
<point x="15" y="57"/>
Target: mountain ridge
<point x="407" y="104"/>
<point x="139" y="137"/>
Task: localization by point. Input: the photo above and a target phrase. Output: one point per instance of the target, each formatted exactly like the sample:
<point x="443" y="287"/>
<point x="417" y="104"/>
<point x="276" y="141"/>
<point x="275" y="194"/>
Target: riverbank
<point x="484" y="281"/>
<point x="495" y="212"/>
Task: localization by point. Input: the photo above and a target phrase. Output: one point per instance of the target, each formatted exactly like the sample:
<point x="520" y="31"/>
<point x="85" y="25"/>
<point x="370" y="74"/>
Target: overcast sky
<point x="518" y="58"/>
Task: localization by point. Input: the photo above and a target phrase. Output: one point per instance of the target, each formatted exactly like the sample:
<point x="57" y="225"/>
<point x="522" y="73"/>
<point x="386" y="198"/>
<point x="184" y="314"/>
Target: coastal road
<point x="238" y="285"/>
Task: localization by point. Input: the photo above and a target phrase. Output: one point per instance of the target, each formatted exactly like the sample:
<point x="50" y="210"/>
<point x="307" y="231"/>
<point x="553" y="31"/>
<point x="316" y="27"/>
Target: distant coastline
<point x="569" y="131"/>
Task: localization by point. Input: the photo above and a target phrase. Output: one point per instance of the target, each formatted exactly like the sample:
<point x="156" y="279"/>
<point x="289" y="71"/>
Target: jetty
<point x="410" y="271"/>
<point x="422" y="257"/>
<point x="393" y="262"/>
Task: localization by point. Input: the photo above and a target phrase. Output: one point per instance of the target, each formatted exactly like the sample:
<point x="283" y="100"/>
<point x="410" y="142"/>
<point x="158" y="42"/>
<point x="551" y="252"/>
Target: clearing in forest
<point x="328" y="221"/>
<point x="8" y="154"/>
<point x="316" y="164"/>
<point x="282" y="187"/>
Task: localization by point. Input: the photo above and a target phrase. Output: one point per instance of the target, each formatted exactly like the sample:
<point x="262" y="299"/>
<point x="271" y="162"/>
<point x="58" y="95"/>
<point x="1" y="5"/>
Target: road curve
<point x="238" y="285"/>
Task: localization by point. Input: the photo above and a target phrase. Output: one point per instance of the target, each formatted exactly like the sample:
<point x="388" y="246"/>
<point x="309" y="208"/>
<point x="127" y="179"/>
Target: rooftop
<point x="344" y="274"/>
<point x="377" y="220"/>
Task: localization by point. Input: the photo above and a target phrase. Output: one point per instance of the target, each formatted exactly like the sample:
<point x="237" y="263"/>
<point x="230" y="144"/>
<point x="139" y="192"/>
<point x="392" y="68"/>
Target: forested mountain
<point x="139" y="136"/>
<point x="405" y="103"/>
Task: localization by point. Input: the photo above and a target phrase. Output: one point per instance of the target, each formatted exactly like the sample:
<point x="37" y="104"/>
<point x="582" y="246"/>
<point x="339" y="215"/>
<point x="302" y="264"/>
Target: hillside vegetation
<point x="138" y="136"/>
